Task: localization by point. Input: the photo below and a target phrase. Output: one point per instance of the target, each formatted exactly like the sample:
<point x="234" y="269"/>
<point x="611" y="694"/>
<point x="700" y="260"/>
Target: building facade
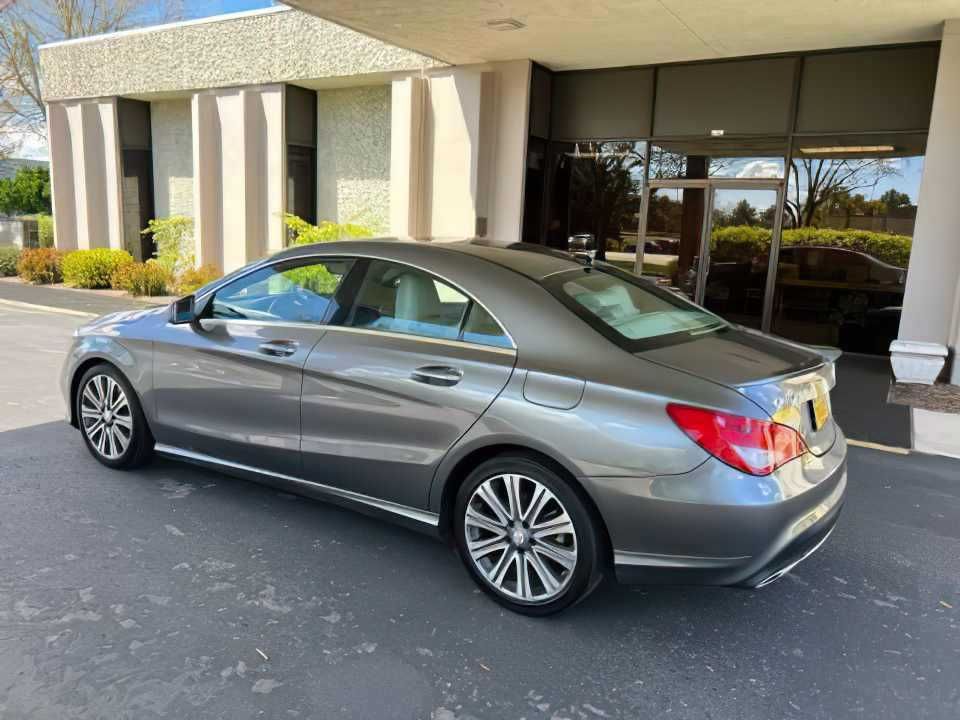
<point x="790" y="171"/>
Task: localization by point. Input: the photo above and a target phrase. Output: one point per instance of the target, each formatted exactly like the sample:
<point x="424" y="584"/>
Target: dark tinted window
<point x="292" y="292"/>
<point x="481" y="328"/>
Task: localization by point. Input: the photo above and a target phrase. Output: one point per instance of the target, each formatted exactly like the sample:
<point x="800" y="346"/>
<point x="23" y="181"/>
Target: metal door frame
<point x="711" y="186"/>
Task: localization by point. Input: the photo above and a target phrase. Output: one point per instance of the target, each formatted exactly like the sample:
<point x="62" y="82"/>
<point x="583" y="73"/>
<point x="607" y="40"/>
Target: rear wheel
<point x="111" y="419"/>
<point x="526" y="536"/>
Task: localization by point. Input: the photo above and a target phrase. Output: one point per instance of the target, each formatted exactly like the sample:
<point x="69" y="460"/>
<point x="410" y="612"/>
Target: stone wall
<point x="172" y="131"/>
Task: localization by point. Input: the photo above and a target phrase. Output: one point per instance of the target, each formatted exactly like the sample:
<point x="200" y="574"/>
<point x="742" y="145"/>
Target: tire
<point x="559" y="557"/>
<point x="124" y="440"/>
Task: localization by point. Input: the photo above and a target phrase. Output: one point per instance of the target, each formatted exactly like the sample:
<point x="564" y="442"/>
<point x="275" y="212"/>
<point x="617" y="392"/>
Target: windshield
<point x="629" y="310"/>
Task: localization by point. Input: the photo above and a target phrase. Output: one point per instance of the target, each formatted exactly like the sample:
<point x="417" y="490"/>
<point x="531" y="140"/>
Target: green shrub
<point x="45" y="230"/>
<point x="93" y="268"/>
<point x="174" y="239"/>
<point x="738" y="243"/>
<point x="315" y="278"/>
<point x="146" y="278"/>
<point x="303" y="233"/>
<point x="8" y="261"/>
<point x="40" y="265"/>
<point x="192" y="279"/>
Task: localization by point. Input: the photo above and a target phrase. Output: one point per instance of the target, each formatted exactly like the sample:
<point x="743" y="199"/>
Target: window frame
<point x="347" y="293"/>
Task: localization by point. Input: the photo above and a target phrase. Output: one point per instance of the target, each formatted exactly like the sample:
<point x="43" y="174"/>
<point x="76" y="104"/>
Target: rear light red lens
<point x="755" y="446"/>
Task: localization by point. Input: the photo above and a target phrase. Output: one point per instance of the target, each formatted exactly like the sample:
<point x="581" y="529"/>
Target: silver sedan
<point x="552" y="417"/>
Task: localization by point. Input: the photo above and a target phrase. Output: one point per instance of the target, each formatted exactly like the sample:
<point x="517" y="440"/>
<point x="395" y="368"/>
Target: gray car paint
<point x="659" y="494"/>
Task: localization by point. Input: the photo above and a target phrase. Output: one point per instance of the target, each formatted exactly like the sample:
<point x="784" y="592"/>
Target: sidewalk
<point x="92" y="302"/>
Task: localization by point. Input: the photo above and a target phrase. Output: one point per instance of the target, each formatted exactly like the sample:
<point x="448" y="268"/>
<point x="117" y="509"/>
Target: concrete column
<point x="62" y="177"/>
<point x="85" y="154"/>
<point x="407" y="106"/>
<point x="930" y="303"/>
<point x="238" y="174"/>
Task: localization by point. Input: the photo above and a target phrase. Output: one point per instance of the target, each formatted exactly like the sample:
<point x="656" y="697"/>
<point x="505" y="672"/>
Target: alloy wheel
<point x="520" y="538"/>
<point x="106" y="416"/>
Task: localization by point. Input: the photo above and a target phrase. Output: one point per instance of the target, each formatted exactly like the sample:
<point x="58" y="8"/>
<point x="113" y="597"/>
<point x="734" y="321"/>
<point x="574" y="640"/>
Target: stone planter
<point x="917" y="362"/>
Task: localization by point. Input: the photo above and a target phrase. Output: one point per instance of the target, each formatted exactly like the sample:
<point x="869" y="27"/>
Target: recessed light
<point x="846" y="149"/>
<point x="505" y="24"/>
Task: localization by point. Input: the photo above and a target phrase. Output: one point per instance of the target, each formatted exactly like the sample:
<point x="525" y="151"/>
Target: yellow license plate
<point x="821" y="408"/>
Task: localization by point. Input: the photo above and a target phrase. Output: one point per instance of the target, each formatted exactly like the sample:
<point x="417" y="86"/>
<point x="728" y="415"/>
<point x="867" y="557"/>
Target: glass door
<point x="712" y="241"/>
<point x="743" y="222"/>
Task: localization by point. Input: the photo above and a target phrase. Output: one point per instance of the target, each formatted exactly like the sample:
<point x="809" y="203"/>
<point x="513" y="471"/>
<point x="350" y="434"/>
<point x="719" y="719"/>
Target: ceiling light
<point x="846" y="149"/>
<point x="505" y="24"/>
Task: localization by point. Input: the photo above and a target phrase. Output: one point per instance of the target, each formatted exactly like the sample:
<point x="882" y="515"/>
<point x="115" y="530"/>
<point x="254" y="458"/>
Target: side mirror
<point x="183" y="312"/>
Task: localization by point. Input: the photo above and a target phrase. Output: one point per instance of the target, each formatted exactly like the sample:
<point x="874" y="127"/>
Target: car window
<point x="481" y="328"/>
<point x="294" y="291"/>
<point x="402" y="299"/>
<point x="628" y="309"/>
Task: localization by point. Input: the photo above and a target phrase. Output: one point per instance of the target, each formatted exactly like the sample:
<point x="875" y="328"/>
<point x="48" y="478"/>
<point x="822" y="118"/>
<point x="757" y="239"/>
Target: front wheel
<point x="526" y="536"/>
<point x="111" y="419"/>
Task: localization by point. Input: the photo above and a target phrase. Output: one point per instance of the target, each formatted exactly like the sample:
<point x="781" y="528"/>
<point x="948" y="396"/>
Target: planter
<point x="917" y="362"/>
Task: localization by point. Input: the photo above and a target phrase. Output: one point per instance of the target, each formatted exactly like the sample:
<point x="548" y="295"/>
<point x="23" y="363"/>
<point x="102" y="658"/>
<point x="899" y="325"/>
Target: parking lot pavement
<point x="178" y="592"/>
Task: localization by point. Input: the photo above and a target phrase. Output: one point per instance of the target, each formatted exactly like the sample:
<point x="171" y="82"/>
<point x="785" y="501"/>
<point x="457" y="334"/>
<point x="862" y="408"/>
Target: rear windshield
<point x="632" y="312"/>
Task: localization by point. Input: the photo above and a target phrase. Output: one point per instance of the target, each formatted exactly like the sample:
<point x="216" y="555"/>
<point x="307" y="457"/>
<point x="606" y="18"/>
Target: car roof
<point x="534" y="261"/>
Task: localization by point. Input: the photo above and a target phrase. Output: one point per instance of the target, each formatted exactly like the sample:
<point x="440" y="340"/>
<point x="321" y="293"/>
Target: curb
<point x="45" y="308"/>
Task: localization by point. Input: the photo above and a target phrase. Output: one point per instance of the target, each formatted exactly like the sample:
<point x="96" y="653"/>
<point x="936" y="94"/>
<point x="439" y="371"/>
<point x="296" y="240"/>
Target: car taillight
<point x="755" y="446"/>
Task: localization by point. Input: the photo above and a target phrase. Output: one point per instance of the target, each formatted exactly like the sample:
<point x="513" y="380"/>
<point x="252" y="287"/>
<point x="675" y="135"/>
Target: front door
<point x="229" y="385"/>
<point x="712" y="241"/>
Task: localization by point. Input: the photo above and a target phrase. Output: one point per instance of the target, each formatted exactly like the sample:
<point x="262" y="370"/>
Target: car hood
<point x="735" y="356"/>
<point x="114" y="322"/>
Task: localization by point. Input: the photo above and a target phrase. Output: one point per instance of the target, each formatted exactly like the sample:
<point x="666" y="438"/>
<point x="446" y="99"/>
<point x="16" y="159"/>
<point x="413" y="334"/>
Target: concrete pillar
<point x="509" y="157"/>
<point x="85" y="159"/>
<point x="238" y="174"/>
<point x="407" y="106"/>
<point x="931" y="304"/>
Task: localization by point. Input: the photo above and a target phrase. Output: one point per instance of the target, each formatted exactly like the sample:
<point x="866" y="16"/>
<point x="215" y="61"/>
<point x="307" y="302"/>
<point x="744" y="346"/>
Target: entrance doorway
<point x="714" y="241"/>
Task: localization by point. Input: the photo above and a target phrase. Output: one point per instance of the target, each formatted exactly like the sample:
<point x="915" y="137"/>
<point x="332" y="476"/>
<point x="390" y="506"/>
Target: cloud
<point x="761" y="169"/>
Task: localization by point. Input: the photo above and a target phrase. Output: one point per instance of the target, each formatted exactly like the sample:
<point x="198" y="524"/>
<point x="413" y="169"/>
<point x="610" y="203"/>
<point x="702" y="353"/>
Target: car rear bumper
<point x="715" y="526"/>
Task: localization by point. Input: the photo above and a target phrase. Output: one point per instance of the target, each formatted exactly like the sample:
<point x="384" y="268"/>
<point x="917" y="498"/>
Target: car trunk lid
<point x="790" y="382"/>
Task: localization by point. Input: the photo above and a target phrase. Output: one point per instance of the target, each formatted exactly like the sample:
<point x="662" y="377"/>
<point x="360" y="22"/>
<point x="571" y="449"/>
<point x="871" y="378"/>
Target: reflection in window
<point x="713" y="162"/>
<point x="595" y="206"/>
<point x="845" y="248"/>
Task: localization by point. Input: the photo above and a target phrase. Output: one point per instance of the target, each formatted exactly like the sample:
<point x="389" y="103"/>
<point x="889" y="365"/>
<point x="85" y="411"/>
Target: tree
<point x="27" y="193"/>
<point x="26" y="25"/>
<point x="743" y="213"/>
<point x="817" y="181"/>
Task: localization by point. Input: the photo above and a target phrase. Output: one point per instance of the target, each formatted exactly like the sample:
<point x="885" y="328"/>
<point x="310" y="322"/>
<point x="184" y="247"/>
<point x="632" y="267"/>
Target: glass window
<point x="481" y="328"/>
<point x="763" y="158"/>
<point x="628" y="309"/>
<point x="845" y="247"/>
<point x="595" y="200"/>
<point x="402" y="299"/>
<point x="293" y="291"/>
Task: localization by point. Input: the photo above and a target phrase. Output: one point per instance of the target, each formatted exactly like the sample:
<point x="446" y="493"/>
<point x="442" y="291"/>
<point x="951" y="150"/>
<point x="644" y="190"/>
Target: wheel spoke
<point x="523" y="577"/>
<point x="477" y="519"/>
<point x="511" y="484"/>
<point x="559" y="525"/>
<point x="119" y="440"/>
<point x="499" y="571"/>
<point x="550" y="581"/>
<point x="482" y="548"/>
<point x="540" y="498"/>
<point x="87" y="413"/>
<point x="123" y="421"/>
<point x="563" y="557"/>
<point x="485" y="493"/>
<point x="90" y="393"/>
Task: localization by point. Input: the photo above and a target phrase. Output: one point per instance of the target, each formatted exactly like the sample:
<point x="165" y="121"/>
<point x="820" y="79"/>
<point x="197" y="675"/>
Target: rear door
<point x="388" y="390"/>
<point x="229" y="385"/>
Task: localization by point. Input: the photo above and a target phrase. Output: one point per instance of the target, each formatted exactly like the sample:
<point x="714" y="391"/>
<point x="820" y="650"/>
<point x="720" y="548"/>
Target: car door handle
<point x="279" y="348"/>
<point x="437" y="375"/>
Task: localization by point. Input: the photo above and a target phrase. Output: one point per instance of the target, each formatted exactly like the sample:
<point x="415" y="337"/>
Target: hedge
<point x="8" y="261"/>
<point x="742" y="242"/>
<point x="40" y="265"/>
<point x="93" y="268"/>
<point x="141" y="278"/>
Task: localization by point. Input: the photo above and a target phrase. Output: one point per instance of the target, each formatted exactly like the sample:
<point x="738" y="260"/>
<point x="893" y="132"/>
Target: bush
<point x="45" y="230"/>
<point x="192" y="279"/>
<point x="93" y="268"/>
<point x="174" y="239"/>
<point x="141" y="278"/>
<point x="40" y="265"/>
<point x="303" y="233"/>
<point x="8" y="261"/>
<point x="739" y="243"/>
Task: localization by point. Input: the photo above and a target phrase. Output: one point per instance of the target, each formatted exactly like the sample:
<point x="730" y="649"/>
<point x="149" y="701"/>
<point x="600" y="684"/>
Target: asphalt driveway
<point x="177" y="592"/>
